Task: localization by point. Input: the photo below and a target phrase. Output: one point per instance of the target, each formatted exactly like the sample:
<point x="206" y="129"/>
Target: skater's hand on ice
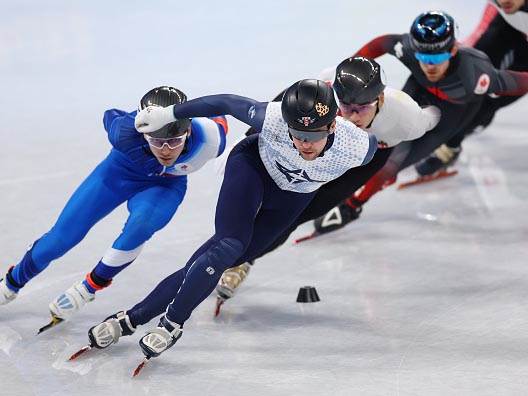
<point x="152" y="118"/>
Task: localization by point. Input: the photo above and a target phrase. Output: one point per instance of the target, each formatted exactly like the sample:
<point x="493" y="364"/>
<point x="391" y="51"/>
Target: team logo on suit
<point x="296" y="176"/>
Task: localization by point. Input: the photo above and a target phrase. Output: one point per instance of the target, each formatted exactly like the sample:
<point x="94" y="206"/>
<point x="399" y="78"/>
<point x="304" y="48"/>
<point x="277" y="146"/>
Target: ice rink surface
<point x="426" y="294"/>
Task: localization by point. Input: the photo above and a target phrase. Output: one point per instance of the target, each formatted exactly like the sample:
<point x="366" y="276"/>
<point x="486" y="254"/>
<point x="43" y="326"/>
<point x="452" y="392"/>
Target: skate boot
<point x="161" y="338"/>
<point x="110" y="330"/>
<point x="107" y="333"/>
<point x="158" y="341"/>
<point x="443" y="157"/>
<point x="338" y="217"/>
<point x="72" y="300"/>
<point x="67" y="304"/>
<point x="7" y="294"/>
<point x="231" y="279"/>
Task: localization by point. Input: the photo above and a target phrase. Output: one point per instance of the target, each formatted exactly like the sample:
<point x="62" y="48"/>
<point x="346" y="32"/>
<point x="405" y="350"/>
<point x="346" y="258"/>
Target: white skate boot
<point x="161" y="338"/>
<point x="107" y="333"/>
<point x="158" y="340"/>
<point x="68" y="303"/>
<point x="6" y="294"/>
<point x="72" y="300"/>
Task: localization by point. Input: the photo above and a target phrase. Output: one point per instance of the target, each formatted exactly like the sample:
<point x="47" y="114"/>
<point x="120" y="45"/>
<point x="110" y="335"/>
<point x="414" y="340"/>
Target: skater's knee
<point x="140" y="227"/>
<point x="223" y="254"/>
<point x="227" y="250"/>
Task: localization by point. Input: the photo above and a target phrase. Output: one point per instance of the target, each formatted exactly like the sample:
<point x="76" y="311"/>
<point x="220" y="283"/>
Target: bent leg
<point x="238" y="203"/>
<point x="384" y="177"/>
<point x="150" y="211"/>
<point x="92" y="201"/>
<point x="332" y="194"/>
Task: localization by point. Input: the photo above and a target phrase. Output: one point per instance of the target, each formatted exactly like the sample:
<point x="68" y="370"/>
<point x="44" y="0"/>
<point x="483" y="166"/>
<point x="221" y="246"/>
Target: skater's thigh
<point x="155" y="206"/>
<point x="90" y="202"/>
<point x="239" y="200"/>
<point x="453" y="120"/>
<point x="272" y="221"/>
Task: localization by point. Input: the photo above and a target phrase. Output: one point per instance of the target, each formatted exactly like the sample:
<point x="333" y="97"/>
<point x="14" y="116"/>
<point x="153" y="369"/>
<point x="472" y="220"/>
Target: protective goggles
<point x="355" y="108"/>
<point x="432" y="59"/>
<point x="172" y="143"/>
<point x="308" y="136"/>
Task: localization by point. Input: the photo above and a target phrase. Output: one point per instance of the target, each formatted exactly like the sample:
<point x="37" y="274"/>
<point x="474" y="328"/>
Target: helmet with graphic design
<point x="433" y="32"/>
<point x="309" y="105"/>
<point x="166" y="96"/>
<point x="359" y="81"/>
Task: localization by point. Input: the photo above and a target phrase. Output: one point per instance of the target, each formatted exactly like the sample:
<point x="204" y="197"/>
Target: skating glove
<point x="152" y="118"/>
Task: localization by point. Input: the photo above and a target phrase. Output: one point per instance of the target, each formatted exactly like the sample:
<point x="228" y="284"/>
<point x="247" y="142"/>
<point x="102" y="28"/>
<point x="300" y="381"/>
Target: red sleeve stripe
<point x="377" y="47"/>
<point x="519" y="86"/>
<point x="223" y="122"/>
<point x="490" y="12"/>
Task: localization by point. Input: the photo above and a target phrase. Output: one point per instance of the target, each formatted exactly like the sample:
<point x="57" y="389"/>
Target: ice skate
<point x="67" y="304"/>
<point x="231" y="279"/>
<point x="441" y="174"/>
<point x="107" y="333"/>
<point x="72" y="300"/>
<point x="158" y="340"/>
<point x="338" y="217"/>
<point x="443" y="157"/>
<point x="6" y="294"/>
<point x="435" y="166"/>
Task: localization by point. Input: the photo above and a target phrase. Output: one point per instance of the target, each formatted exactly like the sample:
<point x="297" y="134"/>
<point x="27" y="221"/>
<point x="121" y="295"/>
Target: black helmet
<point x="358" y="80"/>
<point x="309" y="105"/>
<point x="433" y="32"/>
<point x="166" y="96"/>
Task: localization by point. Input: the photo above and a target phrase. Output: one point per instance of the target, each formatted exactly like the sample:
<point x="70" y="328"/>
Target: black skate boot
<point x="443" y="157"/>
<point x="338" y="217"/>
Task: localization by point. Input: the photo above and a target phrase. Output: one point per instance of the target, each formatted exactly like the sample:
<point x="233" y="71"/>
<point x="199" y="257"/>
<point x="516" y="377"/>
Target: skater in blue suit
<point x="148" y="172"/>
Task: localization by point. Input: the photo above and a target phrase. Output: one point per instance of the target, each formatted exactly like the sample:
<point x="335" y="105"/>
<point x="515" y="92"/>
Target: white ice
<point x="426" y="294"/>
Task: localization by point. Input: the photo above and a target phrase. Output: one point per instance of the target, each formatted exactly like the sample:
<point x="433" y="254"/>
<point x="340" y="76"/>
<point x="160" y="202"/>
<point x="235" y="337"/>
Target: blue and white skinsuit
<point x="129" y="173"/>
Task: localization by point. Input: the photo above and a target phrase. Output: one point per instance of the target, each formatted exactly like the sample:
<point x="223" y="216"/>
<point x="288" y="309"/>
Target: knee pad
<point x="226" y="252"/>
<point x="221" y="255"/>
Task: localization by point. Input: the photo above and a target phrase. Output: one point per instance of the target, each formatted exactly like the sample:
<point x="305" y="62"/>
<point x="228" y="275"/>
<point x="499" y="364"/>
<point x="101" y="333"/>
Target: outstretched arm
<point x="510" y="83"/>
<point x="278" y="98"/>
<point x="488" y="26"/>
<point x="244" y="109"/>
<point x="379" y="46"/>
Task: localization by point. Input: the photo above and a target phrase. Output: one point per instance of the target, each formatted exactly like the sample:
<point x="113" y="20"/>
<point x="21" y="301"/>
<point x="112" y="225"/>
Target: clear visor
<point x="308" y="136"/>
<point x="172" y="143"/>
<point x="432" y="59"/>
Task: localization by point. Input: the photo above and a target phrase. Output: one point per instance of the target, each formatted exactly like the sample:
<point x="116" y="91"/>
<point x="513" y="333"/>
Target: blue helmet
<point x="433" y="32"/>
